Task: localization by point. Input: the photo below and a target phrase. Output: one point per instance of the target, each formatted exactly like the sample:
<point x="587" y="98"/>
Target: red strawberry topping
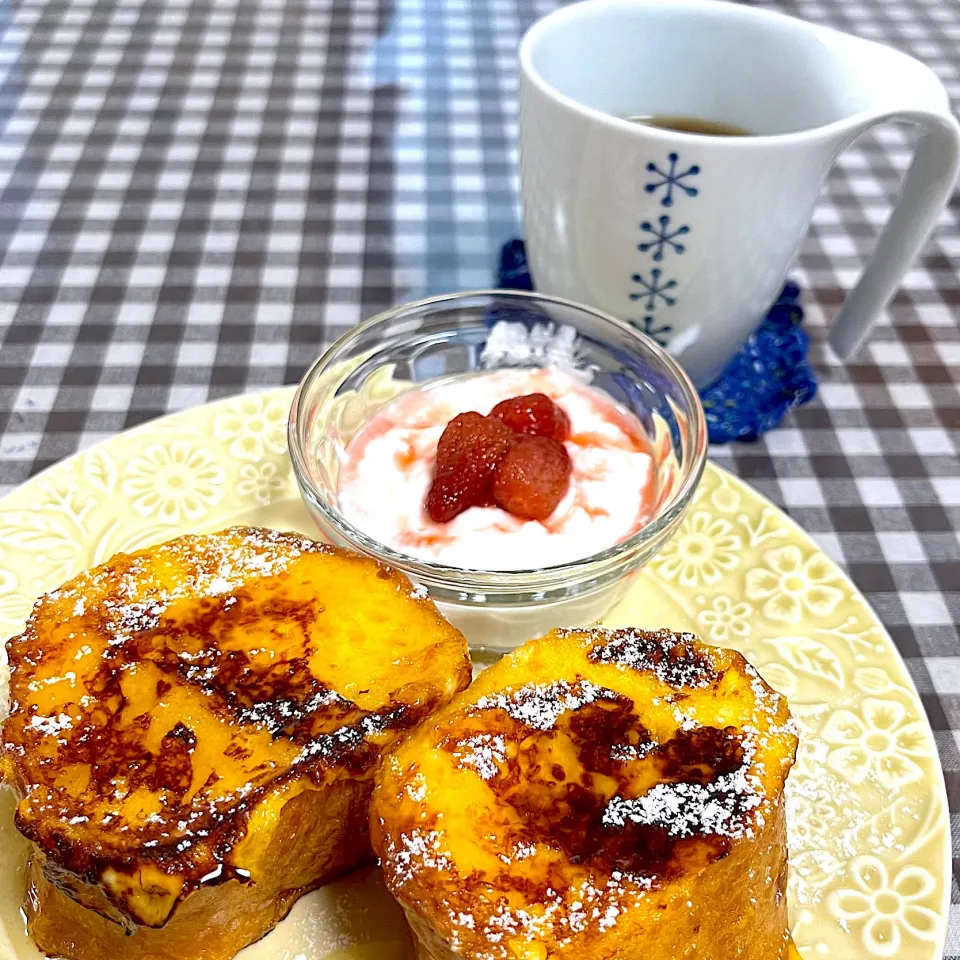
<point x="469" y="451"/>
<point x="514" y="459"/>
<point x="533" y="478"/>
<point x="535" y="415"/>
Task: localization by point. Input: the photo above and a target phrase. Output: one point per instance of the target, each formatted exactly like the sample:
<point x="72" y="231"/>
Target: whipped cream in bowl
<point x="368" y="417"/>
<point x="610" y="497"/>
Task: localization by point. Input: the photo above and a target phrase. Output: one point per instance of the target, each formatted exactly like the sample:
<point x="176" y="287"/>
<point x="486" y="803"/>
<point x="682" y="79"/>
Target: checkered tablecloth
<point x="197" y="195"/>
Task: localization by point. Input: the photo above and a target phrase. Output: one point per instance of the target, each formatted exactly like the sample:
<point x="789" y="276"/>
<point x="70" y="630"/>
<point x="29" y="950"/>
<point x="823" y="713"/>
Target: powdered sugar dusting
<point x="560" y="916"/>
<point x="416" y="789"/>
<point x="127" y="618"/>
<point x="275" y="714"/>
<point x="541" y="705"/>
<point x="230" y="559"/>
<point x="627" y="752"/>
<point x="418" y="849"/>
<point x="484" y="752"/>
<point x="671" y="656"/>
<point x="51" y="726"/>
<point x="721" y="808"/>
<point x="419" y="592"/>
<point x="767" y="699"/>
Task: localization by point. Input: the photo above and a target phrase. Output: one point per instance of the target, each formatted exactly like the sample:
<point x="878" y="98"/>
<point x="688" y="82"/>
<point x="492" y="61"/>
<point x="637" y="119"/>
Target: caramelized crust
<point x="168" y="706"/>
<point x="597" y="793"/>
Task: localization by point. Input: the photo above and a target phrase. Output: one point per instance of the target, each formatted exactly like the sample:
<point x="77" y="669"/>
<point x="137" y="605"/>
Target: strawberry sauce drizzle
<point x="600" y="435"/>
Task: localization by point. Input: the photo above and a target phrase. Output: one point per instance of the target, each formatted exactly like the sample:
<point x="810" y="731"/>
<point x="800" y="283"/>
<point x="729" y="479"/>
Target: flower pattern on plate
<point x="723" y="618"/>
<point x="886" y="908"/>
<point x="725" y="499"/>
<point x="173" y="482"/>
<point x="254" y="427"/>
<point x="705" y="548"/>
<point x="809" y="656"/>
<point x="883" y="742"/>
<point x="792" y="584"/>
<point x="872" y="680"/>
<point x="815" y="819"/>
<point x="261" y="483"/>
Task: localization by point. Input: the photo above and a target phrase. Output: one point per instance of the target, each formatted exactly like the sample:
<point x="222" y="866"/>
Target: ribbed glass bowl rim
<point x="503" y="580"/>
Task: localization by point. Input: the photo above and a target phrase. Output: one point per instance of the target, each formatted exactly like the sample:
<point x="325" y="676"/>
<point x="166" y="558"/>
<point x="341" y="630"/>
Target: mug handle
<point x="925" y="191"/>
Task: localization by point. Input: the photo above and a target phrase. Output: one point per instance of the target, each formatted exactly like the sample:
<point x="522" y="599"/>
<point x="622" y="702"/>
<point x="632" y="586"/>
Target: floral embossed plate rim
<point x="868" y="822"/>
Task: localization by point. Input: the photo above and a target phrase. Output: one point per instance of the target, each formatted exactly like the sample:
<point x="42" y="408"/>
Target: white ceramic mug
<point x="690" y="236"/>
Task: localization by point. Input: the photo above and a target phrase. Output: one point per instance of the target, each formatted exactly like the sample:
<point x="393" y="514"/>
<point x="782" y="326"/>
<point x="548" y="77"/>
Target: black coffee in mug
<point x="701" y="125"/>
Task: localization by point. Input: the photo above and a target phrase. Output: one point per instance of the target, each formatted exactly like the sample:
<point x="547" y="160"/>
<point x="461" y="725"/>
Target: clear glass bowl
<point x="446" y="336"/>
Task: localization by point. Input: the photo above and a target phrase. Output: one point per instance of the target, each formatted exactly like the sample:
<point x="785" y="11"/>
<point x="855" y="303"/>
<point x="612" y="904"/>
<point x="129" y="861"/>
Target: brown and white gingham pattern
<point x="197" y="195"/>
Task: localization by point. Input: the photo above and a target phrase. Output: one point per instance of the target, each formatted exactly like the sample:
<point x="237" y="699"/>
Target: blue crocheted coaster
<point x="769" y="376"/>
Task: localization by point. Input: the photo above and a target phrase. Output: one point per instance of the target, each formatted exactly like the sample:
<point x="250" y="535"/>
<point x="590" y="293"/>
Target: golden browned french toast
<point x="612" y="794"/>
<point x="193" y="733"/>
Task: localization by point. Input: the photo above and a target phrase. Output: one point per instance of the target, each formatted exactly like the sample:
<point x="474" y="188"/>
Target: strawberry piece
<point x="535" y="415"/>
<point x="468" y="453"/>
<point x="533" y="478"/>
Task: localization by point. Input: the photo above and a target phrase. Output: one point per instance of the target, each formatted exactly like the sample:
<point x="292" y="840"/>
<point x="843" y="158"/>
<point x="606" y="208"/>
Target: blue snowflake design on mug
<point x="672" y="179"/>
<point x="660" y="239"/>
<point x="664" y="237"/>
<point x="654" y="289"/>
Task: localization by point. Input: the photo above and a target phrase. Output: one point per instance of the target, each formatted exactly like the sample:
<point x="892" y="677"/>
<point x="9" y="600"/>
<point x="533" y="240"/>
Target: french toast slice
<point x="193" y="733"/>
<point x="612" y="794"/>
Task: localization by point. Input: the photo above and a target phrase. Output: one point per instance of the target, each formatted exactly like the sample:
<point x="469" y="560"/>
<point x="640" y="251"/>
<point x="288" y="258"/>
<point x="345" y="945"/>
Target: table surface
<point x="196" y="196"/>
